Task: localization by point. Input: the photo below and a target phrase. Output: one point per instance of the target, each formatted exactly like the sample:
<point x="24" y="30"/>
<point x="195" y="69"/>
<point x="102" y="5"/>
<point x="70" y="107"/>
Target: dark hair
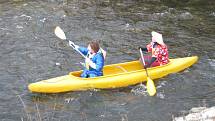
<point x="95" y="46"/>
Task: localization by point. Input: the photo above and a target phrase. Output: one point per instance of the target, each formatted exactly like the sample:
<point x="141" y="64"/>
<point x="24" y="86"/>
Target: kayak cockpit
<point x="116" y="68"/>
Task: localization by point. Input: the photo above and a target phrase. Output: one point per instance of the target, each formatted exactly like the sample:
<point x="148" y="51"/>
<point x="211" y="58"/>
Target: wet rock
<point x="185" y="16"/>
<point x="196" y="110"/>
<point x="198" y="114"/>
<point x="212" y="14"/>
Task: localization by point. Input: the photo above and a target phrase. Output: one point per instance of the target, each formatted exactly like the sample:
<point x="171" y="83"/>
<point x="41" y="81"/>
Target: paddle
<point x="60" y="34"/>
<point x="150" y="86"/>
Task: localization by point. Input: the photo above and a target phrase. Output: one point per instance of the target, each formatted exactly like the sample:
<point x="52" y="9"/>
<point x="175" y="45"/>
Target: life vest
<point x="90" y="56"/>
<point x="160" y="52"/>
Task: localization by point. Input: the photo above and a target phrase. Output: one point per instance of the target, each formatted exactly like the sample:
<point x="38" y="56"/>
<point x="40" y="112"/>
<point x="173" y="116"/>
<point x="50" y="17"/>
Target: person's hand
<point x="87" y="60"/>
<point x="143" y="49"/>
<point x="90" y="62"/>
<point x="139" y="47"/>
<point x="146" y="66"/>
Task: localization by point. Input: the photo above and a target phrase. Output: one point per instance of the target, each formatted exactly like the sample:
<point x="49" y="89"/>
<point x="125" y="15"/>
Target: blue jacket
<point x="98" y="59"/>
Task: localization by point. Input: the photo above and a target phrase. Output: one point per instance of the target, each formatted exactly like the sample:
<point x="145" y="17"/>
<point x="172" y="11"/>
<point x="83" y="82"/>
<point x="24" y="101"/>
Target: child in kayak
<point x="158" y="49"/>
<point x="94" y="60"/>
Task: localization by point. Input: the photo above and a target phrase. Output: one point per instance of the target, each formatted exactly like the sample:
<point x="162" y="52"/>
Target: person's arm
<point x="148" y="48"/>
<point x="150" y="63"/>
<point x="83" y="50"/>
<point x="143" y="49"/>
<point x="99" y="63"/>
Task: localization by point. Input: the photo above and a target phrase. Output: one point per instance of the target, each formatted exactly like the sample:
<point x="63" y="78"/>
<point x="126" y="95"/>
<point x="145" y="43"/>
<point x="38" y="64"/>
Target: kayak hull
<point x="115" y="76"/>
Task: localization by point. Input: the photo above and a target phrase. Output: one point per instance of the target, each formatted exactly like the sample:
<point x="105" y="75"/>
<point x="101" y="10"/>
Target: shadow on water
<point x="31" y="52"/>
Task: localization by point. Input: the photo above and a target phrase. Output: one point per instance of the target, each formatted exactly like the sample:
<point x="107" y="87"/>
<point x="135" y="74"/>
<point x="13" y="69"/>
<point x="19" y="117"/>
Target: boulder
<point x="198" y="114"/>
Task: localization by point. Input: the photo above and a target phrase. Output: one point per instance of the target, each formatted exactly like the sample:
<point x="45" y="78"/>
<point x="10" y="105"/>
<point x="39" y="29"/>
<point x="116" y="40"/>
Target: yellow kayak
<point x="115" y="76"/>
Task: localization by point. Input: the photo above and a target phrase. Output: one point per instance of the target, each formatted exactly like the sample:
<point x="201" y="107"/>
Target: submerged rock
<point x="198" y="114"/>
<point x="185" y="16"/>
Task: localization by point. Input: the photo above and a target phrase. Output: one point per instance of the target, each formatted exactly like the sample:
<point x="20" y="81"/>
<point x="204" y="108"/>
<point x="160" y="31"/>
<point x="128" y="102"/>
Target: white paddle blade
<point x="59" y="33"/>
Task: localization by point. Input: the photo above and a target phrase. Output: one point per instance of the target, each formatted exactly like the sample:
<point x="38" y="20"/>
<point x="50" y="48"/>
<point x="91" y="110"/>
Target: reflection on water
<point x="31" y="52"/>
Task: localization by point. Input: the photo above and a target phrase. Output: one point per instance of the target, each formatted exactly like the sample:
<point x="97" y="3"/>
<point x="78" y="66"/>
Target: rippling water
<point x="31" y="52"/>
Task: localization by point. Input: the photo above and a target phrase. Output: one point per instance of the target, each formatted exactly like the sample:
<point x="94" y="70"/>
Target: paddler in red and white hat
<point x="158" y="49"/>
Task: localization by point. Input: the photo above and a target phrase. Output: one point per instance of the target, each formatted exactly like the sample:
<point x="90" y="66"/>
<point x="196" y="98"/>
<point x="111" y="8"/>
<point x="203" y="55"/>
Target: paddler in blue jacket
<point x="94" y="59"/>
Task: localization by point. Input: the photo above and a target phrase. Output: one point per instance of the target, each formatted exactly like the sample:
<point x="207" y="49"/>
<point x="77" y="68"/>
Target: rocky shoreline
<point x="198" y="114"/>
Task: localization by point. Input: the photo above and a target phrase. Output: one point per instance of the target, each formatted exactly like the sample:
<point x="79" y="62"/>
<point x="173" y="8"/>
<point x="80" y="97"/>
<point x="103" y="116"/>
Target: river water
<point x="31" y="52"/>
